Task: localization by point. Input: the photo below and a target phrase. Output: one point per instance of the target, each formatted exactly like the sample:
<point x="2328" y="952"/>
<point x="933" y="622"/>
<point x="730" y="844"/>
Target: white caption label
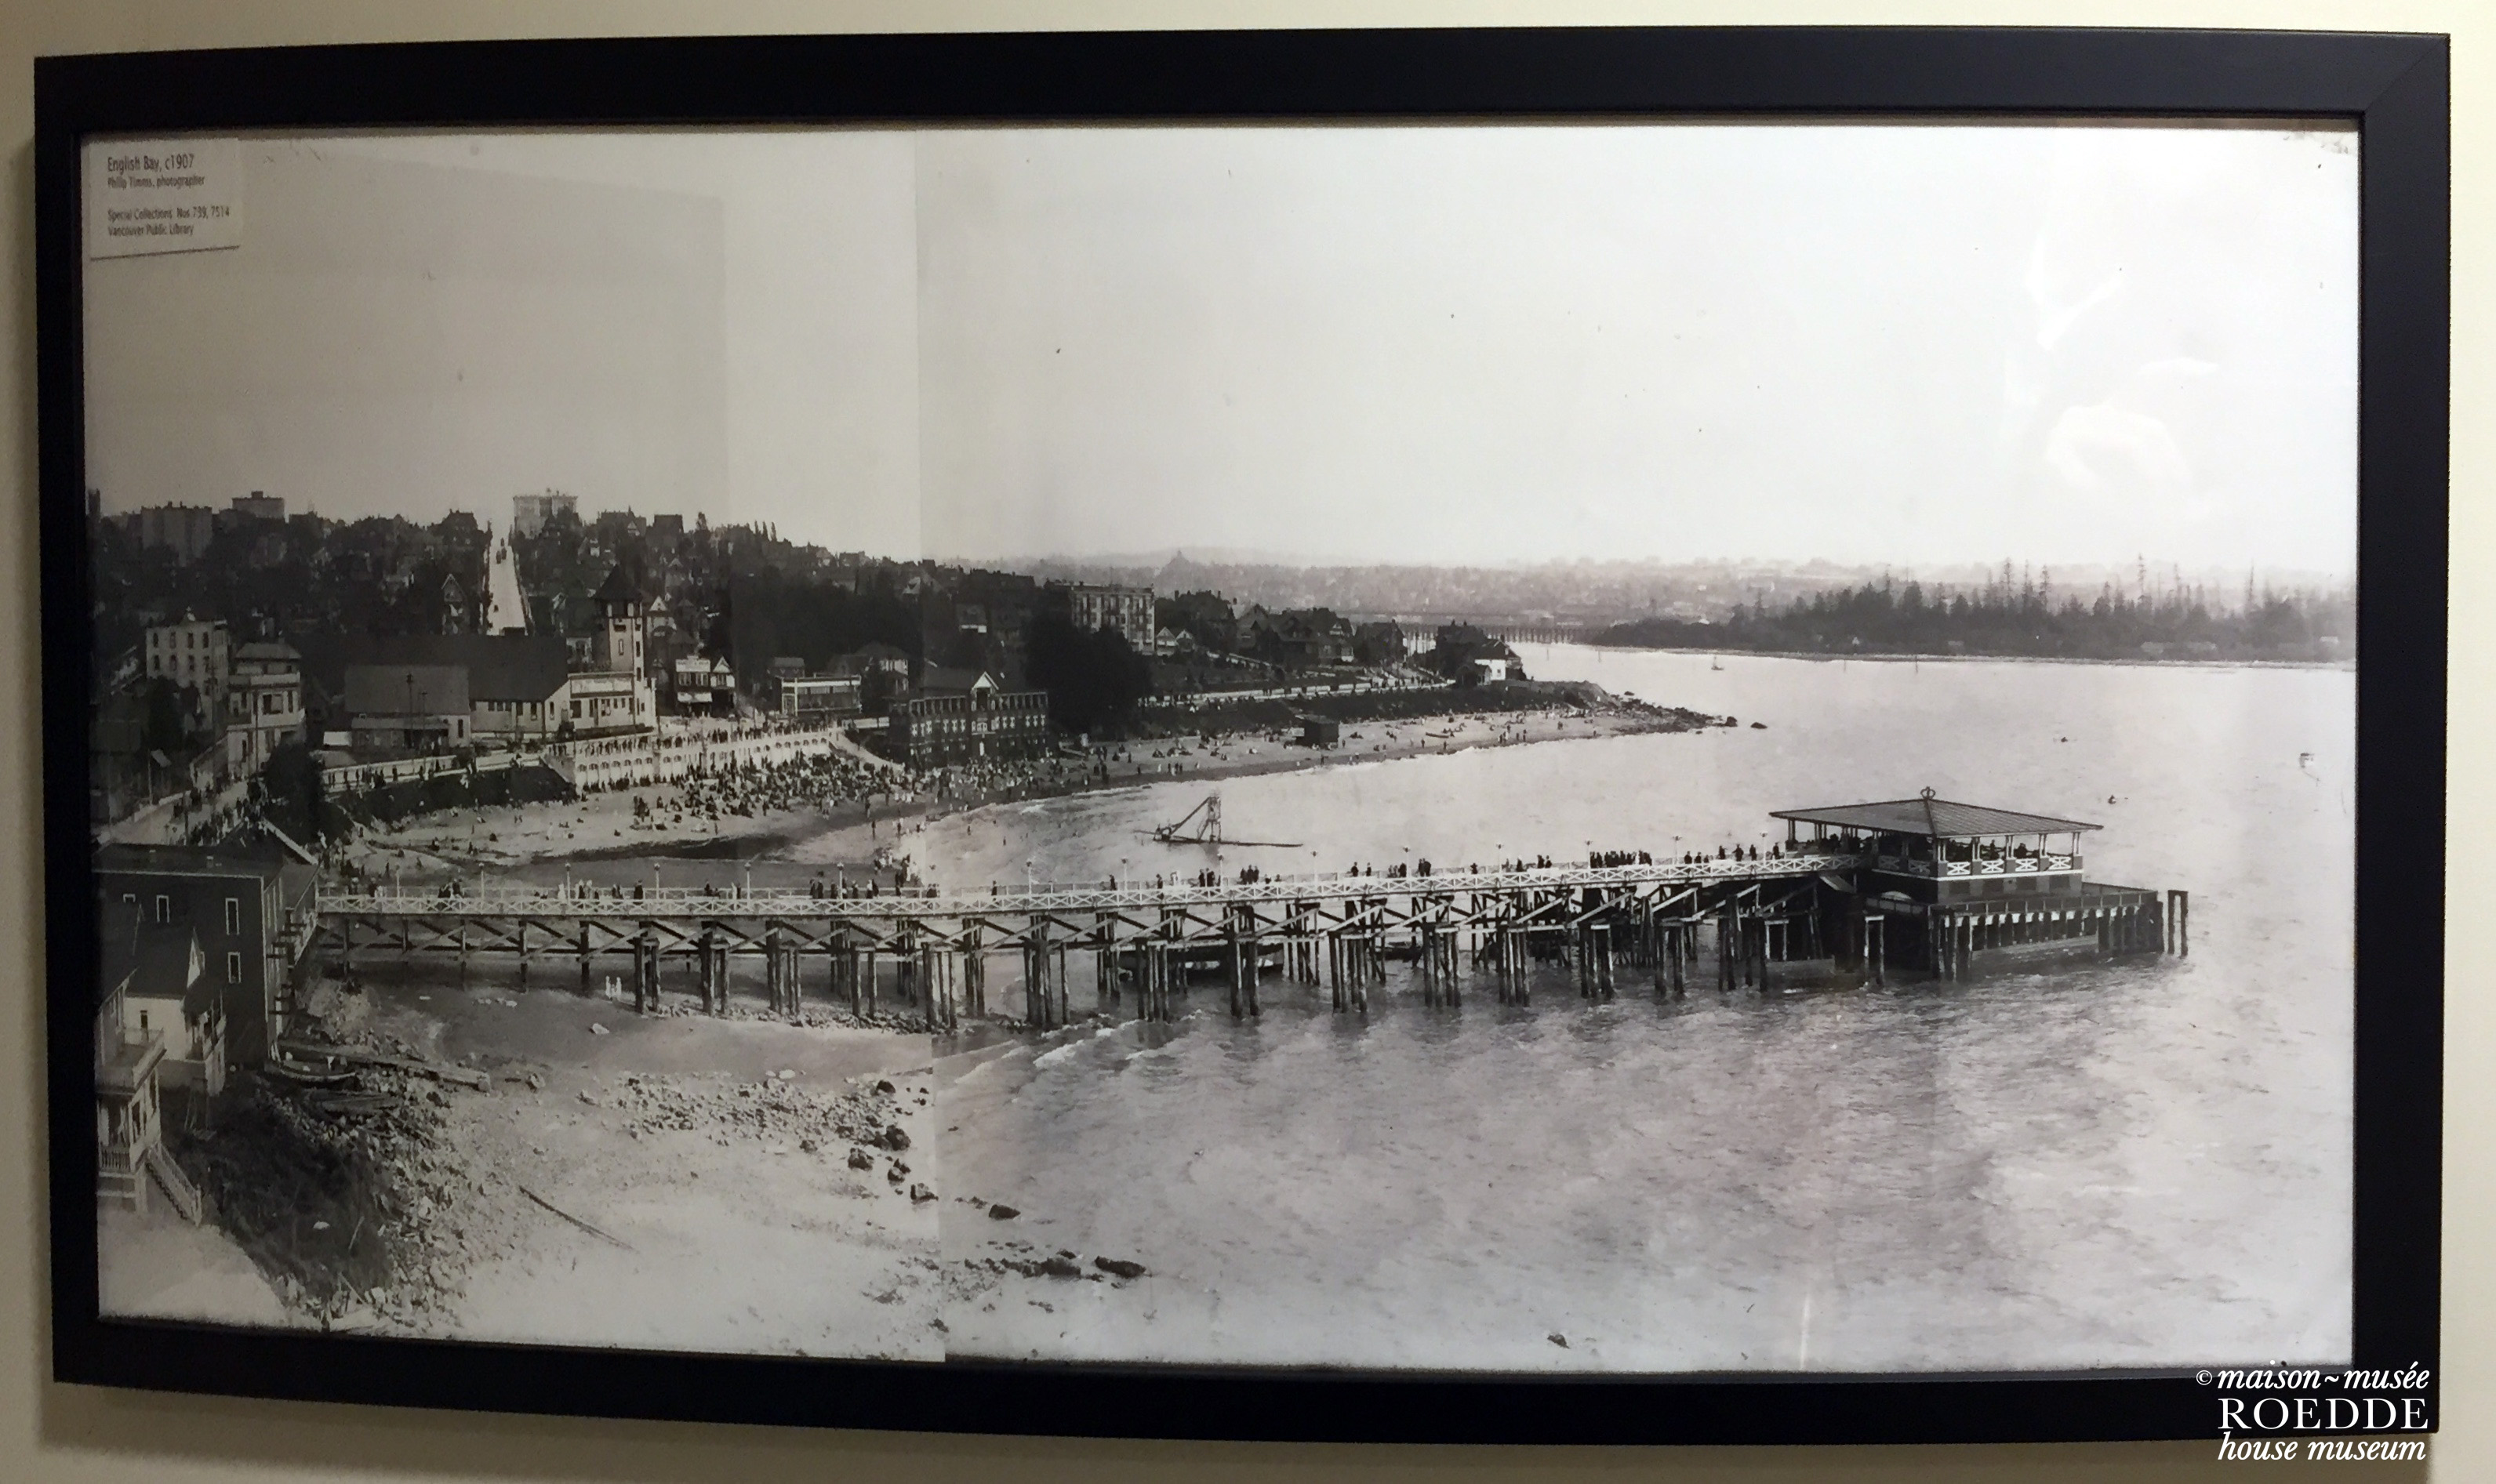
<point x="162" y="196"/>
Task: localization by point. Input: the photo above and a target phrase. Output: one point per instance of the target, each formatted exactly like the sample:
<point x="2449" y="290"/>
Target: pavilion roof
<point x="1933" y="819"/>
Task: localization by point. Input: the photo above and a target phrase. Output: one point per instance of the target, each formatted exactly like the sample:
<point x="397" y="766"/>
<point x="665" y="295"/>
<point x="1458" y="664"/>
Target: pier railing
<point x="585" y="900"/>
<point x="1949" y="870"/>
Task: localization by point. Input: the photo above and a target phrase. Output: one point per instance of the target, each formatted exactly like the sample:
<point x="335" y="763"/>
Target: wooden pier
<point x="1913" y="887"/>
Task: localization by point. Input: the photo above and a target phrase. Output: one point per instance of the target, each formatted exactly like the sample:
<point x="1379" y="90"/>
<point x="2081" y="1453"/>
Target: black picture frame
<point x="2395" y="89"/>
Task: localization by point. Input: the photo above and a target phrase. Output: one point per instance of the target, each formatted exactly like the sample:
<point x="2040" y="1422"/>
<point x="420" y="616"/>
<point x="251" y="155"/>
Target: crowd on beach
<point x="823" y="780"/>
<point x="839" y="778"/>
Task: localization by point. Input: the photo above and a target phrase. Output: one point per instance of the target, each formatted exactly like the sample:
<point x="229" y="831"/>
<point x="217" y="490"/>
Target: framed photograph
<point x="1612" y="736"/>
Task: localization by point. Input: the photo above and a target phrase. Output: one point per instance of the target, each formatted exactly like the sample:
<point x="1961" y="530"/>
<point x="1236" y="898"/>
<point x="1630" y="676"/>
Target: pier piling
<point x="1954" y="892"/>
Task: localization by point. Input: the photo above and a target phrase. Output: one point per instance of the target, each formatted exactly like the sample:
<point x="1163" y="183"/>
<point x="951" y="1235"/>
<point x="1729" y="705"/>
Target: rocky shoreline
<point x="500" y="1158"/>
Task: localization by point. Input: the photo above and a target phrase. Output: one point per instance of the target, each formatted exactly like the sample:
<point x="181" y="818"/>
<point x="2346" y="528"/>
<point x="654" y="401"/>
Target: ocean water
<point x="2138" y="1165"/>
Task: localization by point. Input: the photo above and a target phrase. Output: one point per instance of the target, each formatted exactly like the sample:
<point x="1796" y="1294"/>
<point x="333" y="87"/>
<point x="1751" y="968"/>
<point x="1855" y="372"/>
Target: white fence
<point x="640" y="759"/>
<point x="1374" y="680"/>
<point x="651" y="759"/>
<point x="402" y="770"/>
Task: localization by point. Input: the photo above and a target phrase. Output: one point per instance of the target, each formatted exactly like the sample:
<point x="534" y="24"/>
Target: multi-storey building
<point x="166" y="989"/>
<point x="964" y="717"/>
<point x="193" y="652"/>
<point x="129" y="1126"/>
<point x="531" y="513"/>
<point x="186" y="530"/>
<point x="606" y="700"/>
<point x="264" y="704"/>
<point x="258" y="506"/>
<point x="699" y="687"/>
<point x="1129" y="610"/>
<point x="817" y="699"/>
<point x="615" y="693"/>
<point x="250" y="912"/>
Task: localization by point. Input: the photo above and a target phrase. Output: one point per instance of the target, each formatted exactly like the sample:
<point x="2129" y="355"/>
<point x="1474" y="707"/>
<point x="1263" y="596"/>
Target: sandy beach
<point x="155" y="1265"/>
<point x="589" y="1192"/>
<point x="682" y="1140"/>
<point x="666" y="1181"/>
<point x="605" y="837"/>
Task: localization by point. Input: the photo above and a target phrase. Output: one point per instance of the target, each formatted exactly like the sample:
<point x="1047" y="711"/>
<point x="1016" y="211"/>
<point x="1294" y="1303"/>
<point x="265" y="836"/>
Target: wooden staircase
<point x="175" y="1185"/>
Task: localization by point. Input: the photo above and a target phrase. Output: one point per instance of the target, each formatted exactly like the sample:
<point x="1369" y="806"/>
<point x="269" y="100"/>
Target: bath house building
<point x="964" y="715"/>
<point x="1935" y="851"/>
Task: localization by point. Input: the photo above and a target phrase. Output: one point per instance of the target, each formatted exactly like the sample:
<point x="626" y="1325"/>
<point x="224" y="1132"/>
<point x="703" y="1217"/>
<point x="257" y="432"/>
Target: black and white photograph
<point x="1645" y="748"/>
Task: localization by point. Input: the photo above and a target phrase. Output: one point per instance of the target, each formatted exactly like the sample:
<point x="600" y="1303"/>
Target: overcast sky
<point x="1904" y="345"/>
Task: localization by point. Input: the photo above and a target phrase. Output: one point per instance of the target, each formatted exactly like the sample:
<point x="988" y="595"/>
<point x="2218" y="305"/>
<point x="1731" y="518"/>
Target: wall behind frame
<point x="57" y="1433"/>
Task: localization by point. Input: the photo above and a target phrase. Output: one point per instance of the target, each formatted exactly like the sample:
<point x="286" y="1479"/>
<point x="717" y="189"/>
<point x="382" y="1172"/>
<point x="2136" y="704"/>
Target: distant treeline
<point x="774" y="607"/>
<point x="1413" y="705"/>
<point x="2021" y="619"/>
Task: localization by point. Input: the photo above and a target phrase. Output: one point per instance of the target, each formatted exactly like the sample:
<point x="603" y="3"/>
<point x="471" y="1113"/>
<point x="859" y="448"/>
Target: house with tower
<point x="612" y="691"/>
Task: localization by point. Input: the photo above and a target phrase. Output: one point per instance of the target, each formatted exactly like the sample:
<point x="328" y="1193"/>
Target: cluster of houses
<point x="231" y="707"/>
<point x="503" y="668"/>
<point x="409" y="695"/>
<point x="1463" y="652"/>
<point x="372" y="696"/>
<point x="1291" y="638"/>
<point x="196" y="956"/>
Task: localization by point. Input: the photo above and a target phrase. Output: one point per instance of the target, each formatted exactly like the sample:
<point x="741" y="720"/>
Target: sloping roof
<point x="512" y="666"/>
<point x="500" y="666"/>
<point x="407" y="689"/>
<point x="154" y="960"/>
<point x="623" y="584"/>
<point x="257" y="860"/>
<point x="945" y="680"/>
<point x="1932" y="818"/>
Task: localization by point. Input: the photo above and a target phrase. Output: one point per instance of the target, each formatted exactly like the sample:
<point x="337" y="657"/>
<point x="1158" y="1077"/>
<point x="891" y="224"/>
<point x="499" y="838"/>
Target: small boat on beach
<point x="302" y="1074"/>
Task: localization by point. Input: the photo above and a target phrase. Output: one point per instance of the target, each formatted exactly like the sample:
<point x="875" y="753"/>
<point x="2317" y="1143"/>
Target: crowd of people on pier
<point x="1249" y="876"/>
<point x="1397" y="872"/>
<point x="1739" y="853"/>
